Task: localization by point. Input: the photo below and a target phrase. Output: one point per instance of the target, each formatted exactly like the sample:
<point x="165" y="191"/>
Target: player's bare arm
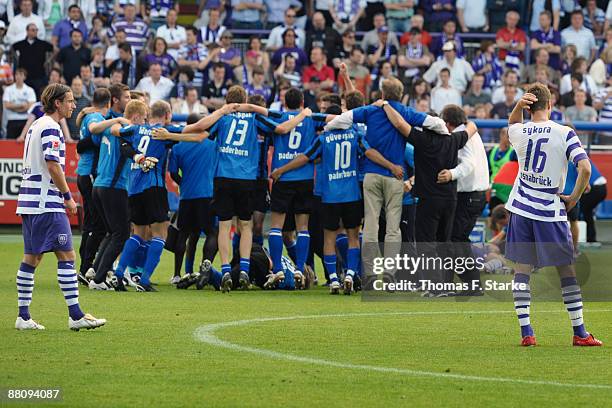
<point x="163" y="134"/>
<point x="57" y="175"/>
<point x="207" y="122"/>
<point x="100" y="127"/>
<point x="517" y="113"/>
<point x="86" y="111"/>
<point x="251" y="108"/>
<point x="376" y="157"/>
<point x="296" y="163"/>
<point x="292" y="123"/>
<point x="582" y="182"/>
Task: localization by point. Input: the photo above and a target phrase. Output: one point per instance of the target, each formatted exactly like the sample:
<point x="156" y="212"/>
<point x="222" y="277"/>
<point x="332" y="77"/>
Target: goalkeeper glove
<point x="149" y="163"/>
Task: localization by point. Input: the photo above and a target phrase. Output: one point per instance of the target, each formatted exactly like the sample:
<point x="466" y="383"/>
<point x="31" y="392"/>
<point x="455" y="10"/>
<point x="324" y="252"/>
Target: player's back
<point x="543" y="150"/>
<point x="37" y="193"/>
<point x="141" y="140"/>
<point x="113" y="167"/>
<point x="198" y="163"/>
<point x="88" y="159"/>
<point x="288" y="146"/>
<point x="339" y="152"/>
<point x="237" y="144"/>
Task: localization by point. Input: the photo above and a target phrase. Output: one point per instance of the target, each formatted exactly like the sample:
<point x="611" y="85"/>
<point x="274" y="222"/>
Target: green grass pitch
<point x="395" y="354"/>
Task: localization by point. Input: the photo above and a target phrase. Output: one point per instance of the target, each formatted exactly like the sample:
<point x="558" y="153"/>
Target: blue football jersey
<point x="361" y="128"/>
<point x="237" y="145"/>
<point x="289" y="145"/>
<point x="197" y="163"/>
<point x="113" y="167"/>
<point x="140" y="138"/>
<point x="339" y="151"/>
<point x="88" y="159"/>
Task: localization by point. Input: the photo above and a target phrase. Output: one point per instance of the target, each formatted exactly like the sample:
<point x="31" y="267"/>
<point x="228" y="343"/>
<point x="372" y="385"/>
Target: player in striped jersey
<point x="43" y="200"/>
<point x="538" y="233"/>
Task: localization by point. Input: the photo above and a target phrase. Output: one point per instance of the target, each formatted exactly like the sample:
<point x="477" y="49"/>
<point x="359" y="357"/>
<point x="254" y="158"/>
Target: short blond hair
<point x="392" y="89"/>
<point x="135" y="107"/>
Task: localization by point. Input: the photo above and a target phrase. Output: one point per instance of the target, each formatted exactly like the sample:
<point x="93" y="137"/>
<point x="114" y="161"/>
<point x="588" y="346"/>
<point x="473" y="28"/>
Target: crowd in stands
<point x="90" y="43"/>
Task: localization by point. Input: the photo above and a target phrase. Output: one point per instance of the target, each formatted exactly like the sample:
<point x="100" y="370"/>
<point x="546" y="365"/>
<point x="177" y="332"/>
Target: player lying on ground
<point x="43" y="200"/>
<point x="236" y="174"/>
<point x="538" y="234"/>
<point x="341" y="195"/>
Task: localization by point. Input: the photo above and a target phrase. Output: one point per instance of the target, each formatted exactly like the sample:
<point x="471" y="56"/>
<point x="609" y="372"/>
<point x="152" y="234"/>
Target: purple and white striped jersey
<point x="137" y="32"/>
<point x="544" y="150"/>
<point x="37" y="193"/>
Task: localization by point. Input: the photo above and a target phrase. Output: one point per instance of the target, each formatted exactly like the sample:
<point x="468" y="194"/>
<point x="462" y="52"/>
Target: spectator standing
<point x="476" y="95"/>
<point x="126" y="64"/>
<point x="244" y="73"/>
<point x="62" y="32"/>
<point x="195" y="56"/>
<point x="319" y="69"/>
<point x="204" y="11"/>
<point x="548" y="38"/>
<point x="344" y="49"/>
<point x="372" y="37"/>
<point x="552" y="7"/>
<point x="487" y="64"/>
<point x="497" y="10"/>
<point x="73" y="56"/>
<point x="213" y="92"/>
<point x="589" y="202"/>
<point x="191" y="104"/>
<point x="509" y="78"/>
<point x="449" y="33"/>
<point x="18" y="25"/>
<point x="503" y="109"/>
<point x="444" y="94"/>
<point x="290" y="47"/>
<point x="576" y="83"/>
<point x="275" y="39"/>
<point x="601" y="69"/>
<point x="258" y="87"/>
<point x="246" y="14"/>
<point x="276" y="17"/>
<point x="580" y="36"/>
<point x="174" y="34"/>
<point x="263" y="58"/>
<point x="159" y="55"/>
<point x="157" y="86"/>
<point x="414" y="57"/>
<point x="417" y="21"/>
<point x="17" y="99"/>
<point x="81" y="101"/>
<point x="581" y="112"/>
<point x="579" y="66"/>
<point x="31" y="55"/>
<point x="136" y="30"/>
<point x="98" y="36"/>
<point x="594" y="17"/>
<point x="346" y="13"/>
<point x="320" y="35"/>
<point x="384" y="51"/>
<point x="86" y="76"/>
<point x="112" y="52"/>
<point x="286" y="72"/>
<point x="472" y="15"/>
<point x="229" y="54"/>
<point x="398" y="14"/>
<point x="438" y="12"/>
<point x="511" y="42"/>
<point x="211" y="33"/>
<point x="461" y="71"/>
<point x="542" y="61"/>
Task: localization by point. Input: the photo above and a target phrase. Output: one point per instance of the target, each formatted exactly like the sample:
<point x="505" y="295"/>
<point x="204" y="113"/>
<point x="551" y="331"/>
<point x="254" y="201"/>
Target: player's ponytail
<point x="52" y="93"/>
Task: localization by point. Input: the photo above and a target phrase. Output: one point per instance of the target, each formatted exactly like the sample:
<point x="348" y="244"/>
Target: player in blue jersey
<point x="93" y="230"/>
<point x="293" y="193"/>
<point x="538" y="233"/>
<point x="110" y="189"/>
<point x="192" y="167"/>
<point x="147" y="195"/>
<point x="340" y="193"/>
<point x="236" y="134"/>
<point x="44" y="198"/>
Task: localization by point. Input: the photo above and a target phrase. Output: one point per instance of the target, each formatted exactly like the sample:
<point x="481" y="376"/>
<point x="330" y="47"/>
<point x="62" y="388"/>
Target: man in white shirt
<point x="157" y="86"/>
<point x="472" y="176"/>
<point x="580" y="36"/>
<point x="17" y="26"/>
<point x="16" y="100"/>
<point x="444" y="93"/>
<point x="461" y="71"/>
<point x="174" y="34"/>
<point x="275" y="39"/>
<point x="472" y="15"/>
<point x="499" y="94"/>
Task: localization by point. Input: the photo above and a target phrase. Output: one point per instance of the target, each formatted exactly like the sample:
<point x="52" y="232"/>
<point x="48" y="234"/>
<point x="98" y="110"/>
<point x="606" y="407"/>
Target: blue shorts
<point x="539" y="243"/>
<point x="46" y="232"/>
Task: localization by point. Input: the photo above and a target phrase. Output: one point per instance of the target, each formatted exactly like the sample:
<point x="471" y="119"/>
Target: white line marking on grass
<point x="206" y="334"/>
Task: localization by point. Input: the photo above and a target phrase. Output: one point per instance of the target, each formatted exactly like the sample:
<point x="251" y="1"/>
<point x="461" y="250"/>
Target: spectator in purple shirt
<point x="229" y="54"/>
<point x="290" y="47"/>
<point x="438" y="12"/>
<point x="548" y="38"/>
<point x="61" y="32"/>
<point x="159" y="55"/>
